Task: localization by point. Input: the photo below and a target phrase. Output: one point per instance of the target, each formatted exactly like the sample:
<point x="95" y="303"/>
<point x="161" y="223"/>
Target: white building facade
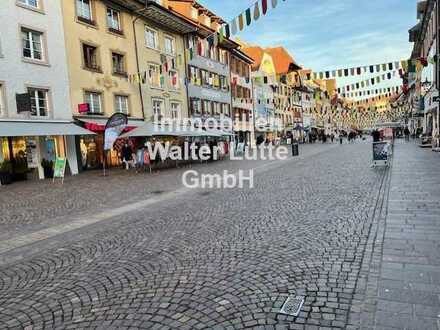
<point x="35" y="117"/>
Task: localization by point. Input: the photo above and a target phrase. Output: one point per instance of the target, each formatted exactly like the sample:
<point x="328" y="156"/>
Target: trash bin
<point x="295" y="148"/>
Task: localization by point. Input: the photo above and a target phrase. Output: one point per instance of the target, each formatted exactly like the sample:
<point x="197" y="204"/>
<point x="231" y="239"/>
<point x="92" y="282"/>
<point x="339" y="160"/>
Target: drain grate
<point x="157" y="192"/>
<point x="292" y="305"/>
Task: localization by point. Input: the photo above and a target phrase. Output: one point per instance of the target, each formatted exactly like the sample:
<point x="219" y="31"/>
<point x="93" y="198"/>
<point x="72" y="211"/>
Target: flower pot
<point x="5" y="178"/>
<point x="48" y="172"/>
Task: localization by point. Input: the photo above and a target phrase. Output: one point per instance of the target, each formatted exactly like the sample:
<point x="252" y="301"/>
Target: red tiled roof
<point x="256" y="53"/>
<point x="282" y="60"/>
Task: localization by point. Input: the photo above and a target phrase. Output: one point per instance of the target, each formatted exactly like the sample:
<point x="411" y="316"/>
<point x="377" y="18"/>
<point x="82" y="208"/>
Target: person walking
<point x="341" y="138"/>
<point x="407" y="133"/>
<point x="127" y="156"/>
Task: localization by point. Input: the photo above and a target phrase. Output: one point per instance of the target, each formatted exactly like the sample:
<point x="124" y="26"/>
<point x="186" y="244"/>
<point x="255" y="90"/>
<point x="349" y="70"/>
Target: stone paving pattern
<point x="214" y="259"/>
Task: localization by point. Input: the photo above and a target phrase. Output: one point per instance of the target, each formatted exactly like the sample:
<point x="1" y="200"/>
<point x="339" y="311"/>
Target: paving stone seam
<point x="360" y="315"/>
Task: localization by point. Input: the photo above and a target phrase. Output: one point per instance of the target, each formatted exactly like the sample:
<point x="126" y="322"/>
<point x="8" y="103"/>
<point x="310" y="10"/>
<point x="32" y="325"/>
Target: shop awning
<point x="98" y="124"/>
<point x="10" y="128"/>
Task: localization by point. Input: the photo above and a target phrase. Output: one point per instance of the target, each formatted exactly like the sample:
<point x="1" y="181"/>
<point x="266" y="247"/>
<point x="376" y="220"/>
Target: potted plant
<point x="6" y="173"/>
<point x="48" y="168"/>
<point x="20" y="167"/>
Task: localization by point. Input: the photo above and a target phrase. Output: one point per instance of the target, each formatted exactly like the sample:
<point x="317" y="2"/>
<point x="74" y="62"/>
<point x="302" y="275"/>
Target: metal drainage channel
<point x="292" y="305"/>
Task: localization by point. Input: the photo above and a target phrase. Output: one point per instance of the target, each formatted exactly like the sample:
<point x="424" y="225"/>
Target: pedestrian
<point x="407" y="133"/>
<point x="127" y="156"/>
<point x="332" y="137"/>
<point x="341" y="138"/>
<point x="376" y="135"/>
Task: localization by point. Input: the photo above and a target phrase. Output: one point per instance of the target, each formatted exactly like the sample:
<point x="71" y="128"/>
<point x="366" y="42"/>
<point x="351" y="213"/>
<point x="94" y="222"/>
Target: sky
<point x="329" y="34"/>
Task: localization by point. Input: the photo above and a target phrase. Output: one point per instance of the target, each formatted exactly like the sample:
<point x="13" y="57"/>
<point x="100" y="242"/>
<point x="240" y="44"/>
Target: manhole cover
<point x="292" y="305"/>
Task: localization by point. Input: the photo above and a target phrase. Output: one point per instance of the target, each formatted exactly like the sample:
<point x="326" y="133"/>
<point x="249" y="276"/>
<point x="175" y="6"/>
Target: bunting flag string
<point x="367" y="82"/>
<point x="393" y="89"/>
<point x="411" y="65"/>
<point x="357" y="71"/>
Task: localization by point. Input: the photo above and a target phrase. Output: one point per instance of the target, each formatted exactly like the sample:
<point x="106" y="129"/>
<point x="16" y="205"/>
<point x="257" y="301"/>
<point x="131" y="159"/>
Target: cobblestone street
<point x="141" y="251"/>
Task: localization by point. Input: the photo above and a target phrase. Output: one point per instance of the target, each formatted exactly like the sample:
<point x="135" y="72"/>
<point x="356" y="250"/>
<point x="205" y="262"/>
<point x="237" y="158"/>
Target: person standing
<point x="127" y="156"/>
<point x="376" y="136"/>
<point x="407" y="133"/>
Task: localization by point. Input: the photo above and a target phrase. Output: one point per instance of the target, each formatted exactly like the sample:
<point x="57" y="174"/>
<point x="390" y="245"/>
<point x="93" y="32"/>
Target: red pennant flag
<point x="264" y="5"/>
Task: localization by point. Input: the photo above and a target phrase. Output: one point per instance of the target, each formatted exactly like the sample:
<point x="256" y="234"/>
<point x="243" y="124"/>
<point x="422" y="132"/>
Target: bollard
<point x="295" y="148"/>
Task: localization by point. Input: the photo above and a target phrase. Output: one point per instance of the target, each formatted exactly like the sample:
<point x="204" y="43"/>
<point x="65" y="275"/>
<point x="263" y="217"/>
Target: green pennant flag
<point x="221" y="35"/>
<point x="248" y="17"/>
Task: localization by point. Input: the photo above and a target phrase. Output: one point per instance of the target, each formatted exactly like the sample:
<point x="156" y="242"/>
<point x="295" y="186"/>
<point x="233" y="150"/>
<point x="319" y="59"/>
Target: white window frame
<point x="170" y="79"/>
<point x="123" y="69"/>
<point x="161" y="108"/>
<point x="119" y="105"/>
<point x="199" y="105"/>
<point x="2" y="99"/>
<point x="38" y="109"/>
<point x="173" y="45"/>
<point x="80" y="11"/>
<point x="151" y="79"/>
<point x="92" y="104"/>
<point x="30" y="35"/>
<point x="156" y="38"/>
<point x="113" y="18"/>
<point x="28" y="3"/>
<point x="175" y="111"/>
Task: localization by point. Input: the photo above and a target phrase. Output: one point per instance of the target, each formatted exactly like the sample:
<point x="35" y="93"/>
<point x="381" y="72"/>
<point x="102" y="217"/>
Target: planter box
<point x="5" y="178"/>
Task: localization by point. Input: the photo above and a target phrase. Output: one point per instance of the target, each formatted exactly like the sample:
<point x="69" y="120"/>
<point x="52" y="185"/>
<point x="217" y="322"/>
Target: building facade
<point x="123" y="57"/>
<point x="35" y="119"/>
<point x="423" y="83"/>
<point x="242" y="98"/>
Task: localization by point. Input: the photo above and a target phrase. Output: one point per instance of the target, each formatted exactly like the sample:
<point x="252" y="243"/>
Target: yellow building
<point x="162" y="63"/>
<point x="123" y="56"/>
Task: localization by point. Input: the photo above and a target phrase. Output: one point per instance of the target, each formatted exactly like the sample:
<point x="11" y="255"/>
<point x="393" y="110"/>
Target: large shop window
<point x="32" y="44"/>
<point x="114" y="20"/>
<point x="94" y="101"/>
<point x="39" y="102"/>
<point x="121" y="104"/>
<point x="84" y="10"/>
<point x="90" y="54"/>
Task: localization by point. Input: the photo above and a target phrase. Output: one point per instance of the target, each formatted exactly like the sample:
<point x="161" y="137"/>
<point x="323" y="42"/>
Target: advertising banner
<point x="114" y="127"/>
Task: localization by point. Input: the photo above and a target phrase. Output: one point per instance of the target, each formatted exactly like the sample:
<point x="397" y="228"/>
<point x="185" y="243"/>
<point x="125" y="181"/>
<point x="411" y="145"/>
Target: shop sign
<point x="60" y="168"/>
<point x="83" y="107"/>
<point x="31" y="152"/>
<point x="380" y="151"/>
<point x="23" y="102"/>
